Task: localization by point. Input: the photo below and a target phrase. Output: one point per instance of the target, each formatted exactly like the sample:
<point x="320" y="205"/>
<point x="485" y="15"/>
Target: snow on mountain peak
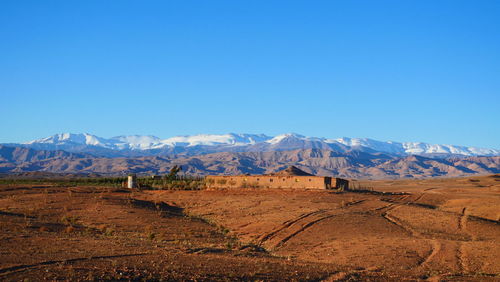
<point x="284" y="141"/>
<point x="279" y="138"/>
<point x="137" y="142"/>
<point x="81" y="138"/>
<point x="215" y="139"/>
<point x="388" y="146"/>
<point x="424" y="148"/>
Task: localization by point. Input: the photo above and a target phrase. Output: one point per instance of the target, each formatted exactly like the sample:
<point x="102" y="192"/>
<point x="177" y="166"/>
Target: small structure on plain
<point x="291" y="177"/>
<point x="132" y="181"/>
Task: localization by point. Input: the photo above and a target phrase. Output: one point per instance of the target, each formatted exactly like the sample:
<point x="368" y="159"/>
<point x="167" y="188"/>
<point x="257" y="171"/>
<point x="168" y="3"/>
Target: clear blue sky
<point x="412" y="70"/>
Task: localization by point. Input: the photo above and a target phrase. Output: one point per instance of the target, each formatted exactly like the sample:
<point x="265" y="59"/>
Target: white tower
<point x="132" y="181"/>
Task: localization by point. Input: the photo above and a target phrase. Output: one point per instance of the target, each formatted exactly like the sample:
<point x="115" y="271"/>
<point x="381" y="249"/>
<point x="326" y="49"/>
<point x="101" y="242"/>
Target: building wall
<point x="265" y="181"/>
<point x="340" y="184"/>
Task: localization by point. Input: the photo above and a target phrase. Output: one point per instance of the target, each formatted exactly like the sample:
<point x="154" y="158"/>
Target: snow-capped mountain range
<point x="209" y="143"/>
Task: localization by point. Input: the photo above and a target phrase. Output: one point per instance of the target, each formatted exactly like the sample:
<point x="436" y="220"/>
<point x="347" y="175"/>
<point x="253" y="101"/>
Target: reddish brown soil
<point x="440" y="229"/>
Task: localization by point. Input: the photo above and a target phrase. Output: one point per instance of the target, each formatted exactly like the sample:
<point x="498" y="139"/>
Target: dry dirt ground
<point x="438" y="229"/>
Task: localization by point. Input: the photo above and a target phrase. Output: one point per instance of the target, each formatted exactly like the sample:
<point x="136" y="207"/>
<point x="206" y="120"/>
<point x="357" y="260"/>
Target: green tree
<point x="173" y="172"/>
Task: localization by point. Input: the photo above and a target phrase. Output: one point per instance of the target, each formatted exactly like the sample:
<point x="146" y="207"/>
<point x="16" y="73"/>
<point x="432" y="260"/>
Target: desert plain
<point x="441" y="229"/>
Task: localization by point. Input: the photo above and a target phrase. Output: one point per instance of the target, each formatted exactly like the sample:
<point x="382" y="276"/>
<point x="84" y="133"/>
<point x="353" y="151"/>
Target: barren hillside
<point x="352" y="164"/>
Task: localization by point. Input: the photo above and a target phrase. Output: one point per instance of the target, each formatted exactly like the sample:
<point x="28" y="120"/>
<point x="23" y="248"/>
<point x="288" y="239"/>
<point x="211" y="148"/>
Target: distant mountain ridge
<point x="137" y="145"/>
<point x="230" y="154"/>
<point x="352" y="164"/>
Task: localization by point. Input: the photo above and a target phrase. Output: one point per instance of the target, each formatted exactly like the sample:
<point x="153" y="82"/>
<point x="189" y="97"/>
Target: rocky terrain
<point x="351" y="164"/>
<point x="399" y="230"/>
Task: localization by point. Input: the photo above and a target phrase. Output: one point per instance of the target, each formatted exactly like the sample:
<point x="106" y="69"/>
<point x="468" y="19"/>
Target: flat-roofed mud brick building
<point x="291" y="177"/>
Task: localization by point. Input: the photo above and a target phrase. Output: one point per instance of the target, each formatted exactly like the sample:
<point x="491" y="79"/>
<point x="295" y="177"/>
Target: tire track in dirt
<point x="460" y="253"/>
<point x="286" y="225"/>
<point x="462" y="221"/>
<point x="462" y="224"/>
<point x="399" y="223"/>
<point x="452" y="259"/>
<point x="436" y="247"/>
<point x="461" y="258"/>
<point x="302" y="229"/>
<point x="244" y="225"/>
<point x="404" y="197"/>
<point x="384" y="207"/>
<point x="17" y="268"/>
<point x="392" y="206"/>
<point x="354" y="203"/>
<point x="396" y="221"/>
<point x="435" y="244"/>
<point x="418" y="198"/>
<point x="429" y="189"/>
<point x="392" y="203"/>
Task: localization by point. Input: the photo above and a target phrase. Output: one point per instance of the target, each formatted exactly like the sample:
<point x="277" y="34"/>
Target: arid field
<point x="435" y="229"/>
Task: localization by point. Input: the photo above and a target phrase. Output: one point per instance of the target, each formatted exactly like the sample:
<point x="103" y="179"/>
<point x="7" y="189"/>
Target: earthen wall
<point x="267" y="181"/>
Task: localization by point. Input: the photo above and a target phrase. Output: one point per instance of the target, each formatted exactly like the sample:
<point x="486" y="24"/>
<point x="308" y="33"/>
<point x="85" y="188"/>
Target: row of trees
<point x="171" y="180"/>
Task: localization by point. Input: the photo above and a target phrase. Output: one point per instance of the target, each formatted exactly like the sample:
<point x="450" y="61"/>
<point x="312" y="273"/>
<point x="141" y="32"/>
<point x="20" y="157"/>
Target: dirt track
<point x="425" y="229"/>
